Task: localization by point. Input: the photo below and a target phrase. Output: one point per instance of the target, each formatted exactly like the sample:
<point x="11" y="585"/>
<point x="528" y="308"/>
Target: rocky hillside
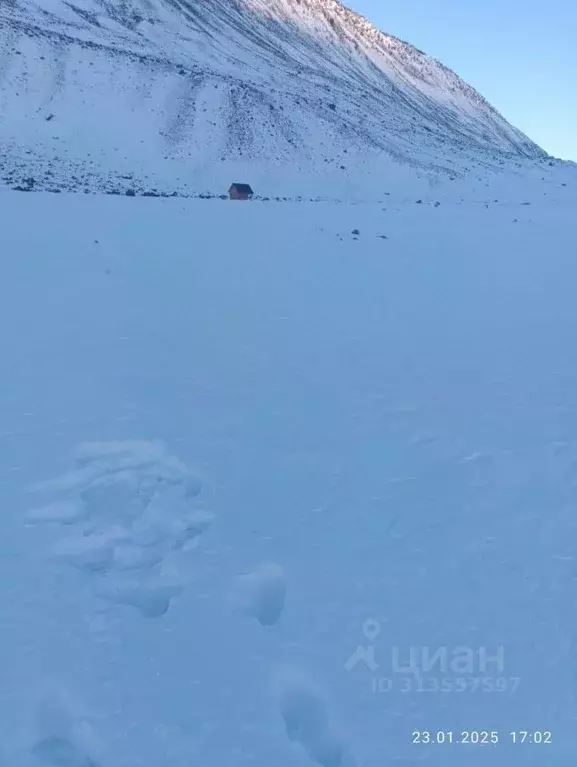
<point x="191" y="94"/>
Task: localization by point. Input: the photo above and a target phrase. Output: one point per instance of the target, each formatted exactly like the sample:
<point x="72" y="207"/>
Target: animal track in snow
<point x="307" y="721"/>
<point x="61" y="752"/>
<point x="261" y="594"/>
<point x="152" y="599"/>
<point x="131" y="508"/>
<point x="64" y="738"/>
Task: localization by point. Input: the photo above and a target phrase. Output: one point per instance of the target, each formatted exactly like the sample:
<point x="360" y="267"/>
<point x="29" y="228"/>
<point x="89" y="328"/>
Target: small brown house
<point x="240" y="192"/>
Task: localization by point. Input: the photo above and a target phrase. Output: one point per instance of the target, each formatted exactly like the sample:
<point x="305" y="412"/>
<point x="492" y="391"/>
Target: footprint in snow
<point x="152" y="599"/>
<point x="306" y="720"/>
<point x="64" y="738"/>
<point x="261" y="594"/>
<point x="60" y="752"/>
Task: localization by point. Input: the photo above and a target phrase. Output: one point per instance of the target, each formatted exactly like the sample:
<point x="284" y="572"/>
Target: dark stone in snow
<point x="130" y="193"/>
<point x="355" y="231"/>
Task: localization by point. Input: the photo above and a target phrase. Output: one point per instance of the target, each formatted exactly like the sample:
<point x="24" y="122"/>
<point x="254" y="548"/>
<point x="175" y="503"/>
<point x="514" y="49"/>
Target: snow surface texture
<point x="164" y="96"/>
<point x="131" y="502"/>
<point x="387" y="419"/>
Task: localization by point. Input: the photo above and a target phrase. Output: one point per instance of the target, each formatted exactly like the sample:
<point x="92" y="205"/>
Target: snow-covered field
<point x="239" y="442"/>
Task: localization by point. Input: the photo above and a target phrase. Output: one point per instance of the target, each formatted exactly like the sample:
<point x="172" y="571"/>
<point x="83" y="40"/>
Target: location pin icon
<point x="371" y="629"/>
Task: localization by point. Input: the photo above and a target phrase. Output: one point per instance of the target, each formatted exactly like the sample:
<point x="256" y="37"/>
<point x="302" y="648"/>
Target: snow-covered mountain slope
<point x="198" y="92"/>
<point x="369" y="422"/>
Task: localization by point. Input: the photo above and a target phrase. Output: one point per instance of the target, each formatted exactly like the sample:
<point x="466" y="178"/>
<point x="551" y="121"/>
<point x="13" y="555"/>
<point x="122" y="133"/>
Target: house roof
<point x="242" y="188"/>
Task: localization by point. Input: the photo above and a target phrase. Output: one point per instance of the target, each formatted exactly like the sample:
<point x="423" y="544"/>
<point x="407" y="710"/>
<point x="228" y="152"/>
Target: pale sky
<point x="520" y="54"/>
